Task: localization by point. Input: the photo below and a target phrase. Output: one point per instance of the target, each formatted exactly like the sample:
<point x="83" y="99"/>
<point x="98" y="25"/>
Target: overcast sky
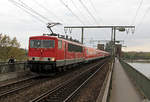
<point x="17" y="23"/>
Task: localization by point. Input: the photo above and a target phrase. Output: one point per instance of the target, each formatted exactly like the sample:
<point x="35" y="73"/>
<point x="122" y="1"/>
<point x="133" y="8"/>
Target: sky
<point x="15" y="22"/>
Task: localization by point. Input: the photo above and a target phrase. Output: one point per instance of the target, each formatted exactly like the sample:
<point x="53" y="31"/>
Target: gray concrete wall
<point x="140" y="80"/>
<point x="7" y="68"/>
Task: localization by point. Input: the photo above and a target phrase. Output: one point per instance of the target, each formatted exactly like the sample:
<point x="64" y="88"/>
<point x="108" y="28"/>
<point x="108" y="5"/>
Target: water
<point x="144" y="68"/>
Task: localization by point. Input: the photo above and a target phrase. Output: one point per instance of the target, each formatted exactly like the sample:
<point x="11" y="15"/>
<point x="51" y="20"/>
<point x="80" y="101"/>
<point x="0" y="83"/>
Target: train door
<point x="83" y="53"/>
<point x="65" y="51"/>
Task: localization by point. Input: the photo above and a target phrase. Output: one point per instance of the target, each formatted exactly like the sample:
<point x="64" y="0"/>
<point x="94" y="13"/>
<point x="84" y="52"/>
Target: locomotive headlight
<point x="52" y="59"/>
<point x="29" y="58"/>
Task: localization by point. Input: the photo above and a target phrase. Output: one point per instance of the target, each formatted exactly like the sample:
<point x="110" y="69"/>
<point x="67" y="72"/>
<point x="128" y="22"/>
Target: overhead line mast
<point x="113" y="33"/>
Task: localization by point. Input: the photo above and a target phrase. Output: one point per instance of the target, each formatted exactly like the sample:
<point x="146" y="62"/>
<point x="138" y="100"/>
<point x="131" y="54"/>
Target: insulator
<point x="65" y="30"/>
<point x="132" y="30"/>
<point x="127" y="31"/>
<point x="70" y="30"/>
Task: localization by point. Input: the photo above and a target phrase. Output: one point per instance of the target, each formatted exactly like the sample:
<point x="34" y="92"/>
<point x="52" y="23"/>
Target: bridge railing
<point x="140" y="80"/>
<point x="17" y="66"/>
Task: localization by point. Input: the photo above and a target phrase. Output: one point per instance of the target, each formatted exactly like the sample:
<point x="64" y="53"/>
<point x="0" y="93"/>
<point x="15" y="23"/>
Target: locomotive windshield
<point x="42" y="44"/>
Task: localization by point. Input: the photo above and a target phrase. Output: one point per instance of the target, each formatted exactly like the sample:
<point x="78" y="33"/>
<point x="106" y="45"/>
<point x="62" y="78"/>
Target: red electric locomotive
<point x="49" y="53"/>
<point x="46" y="53"/>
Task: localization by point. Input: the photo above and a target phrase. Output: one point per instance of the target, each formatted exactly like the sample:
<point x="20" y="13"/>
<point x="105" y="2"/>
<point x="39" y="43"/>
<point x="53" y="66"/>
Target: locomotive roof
<point x="43" y="37"/>
<point x="57" y="38"/>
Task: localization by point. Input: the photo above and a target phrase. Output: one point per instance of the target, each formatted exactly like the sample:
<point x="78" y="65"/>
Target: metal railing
<point x="140" y="80"/>
<point x="110" y="81"/>
<point x="9" y="67"/>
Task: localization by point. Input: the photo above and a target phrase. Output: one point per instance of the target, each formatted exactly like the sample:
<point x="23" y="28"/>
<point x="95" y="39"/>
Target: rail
<point x="140" y="80"/>
<point x="65" y="92"/>
<point x="14" y="87"/>
<point x="104" y="95"/>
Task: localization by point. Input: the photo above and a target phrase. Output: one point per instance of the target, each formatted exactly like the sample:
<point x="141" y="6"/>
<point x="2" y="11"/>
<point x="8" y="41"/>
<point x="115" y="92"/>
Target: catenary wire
<point x="33" y="11"/>
<point x="62" y="2"/>
<point x="74" y="4"/>
<point x="136" y="14"/>
<point x="137" y="11"/>
<point x="84" y="6"/>
<point x="90" y="1"/>
<point x="22" y="7"/>
<point x="47" y="10"/>
<point x="144" y="16"/>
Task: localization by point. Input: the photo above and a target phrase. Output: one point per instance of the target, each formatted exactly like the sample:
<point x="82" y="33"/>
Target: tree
<point x="10" y="47"/>
<point x="136" y="55"/>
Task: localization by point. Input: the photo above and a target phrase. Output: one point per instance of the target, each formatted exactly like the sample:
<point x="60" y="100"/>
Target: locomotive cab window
<point x="48" y="44"/>
<point x="35" y="43"/>
<point x="59" y="44"/>
<point x="42" y="44"/>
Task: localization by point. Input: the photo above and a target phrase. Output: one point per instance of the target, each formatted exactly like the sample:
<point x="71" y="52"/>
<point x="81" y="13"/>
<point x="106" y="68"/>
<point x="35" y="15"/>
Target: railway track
<point x="67" y="90"/>
<point x="16" y="86"/>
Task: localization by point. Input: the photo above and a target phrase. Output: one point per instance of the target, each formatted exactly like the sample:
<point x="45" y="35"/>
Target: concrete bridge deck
<point x="123" y="89"/>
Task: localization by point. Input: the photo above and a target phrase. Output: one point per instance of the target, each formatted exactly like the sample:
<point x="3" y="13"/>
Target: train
<point x="51" y="53"/>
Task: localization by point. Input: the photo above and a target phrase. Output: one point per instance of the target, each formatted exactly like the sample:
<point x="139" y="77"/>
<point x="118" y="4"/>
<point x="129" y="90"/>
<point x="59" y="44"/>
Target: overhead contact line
<point x="84" y="6"/>
<point x="137" y="11"/>
<point x="33" y="11"/>
<point x="62" y="2"/>
<point x="25" y="10"/>
<point x="47" y="10"/>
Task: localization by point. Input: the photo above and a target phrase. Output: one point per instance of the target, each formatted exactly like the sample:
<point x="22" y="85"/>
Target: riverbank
<point x="138" y="61"/>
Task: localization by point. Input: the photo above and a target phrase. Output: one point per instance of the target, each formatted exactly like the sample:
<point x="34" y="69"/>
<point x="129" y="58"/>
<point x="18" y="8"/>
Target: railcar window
<point x="59" y="44"/>
<point x="42" y="44"/>
<point x="74" y="48"/>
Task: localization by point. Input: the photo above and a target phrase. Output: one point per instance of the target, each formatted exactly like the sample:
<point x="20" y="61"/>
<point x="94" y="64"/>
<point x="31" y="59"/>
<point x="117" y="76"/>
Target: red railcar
<point x="48" y="53"/>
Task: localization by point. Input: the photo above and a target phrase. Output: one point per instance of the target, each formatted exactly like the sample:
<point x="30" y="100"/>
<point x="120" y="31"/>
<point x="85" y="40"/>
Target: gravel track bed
<point x="18" y="84"/>
<point x="21" y="77"/>
<point x="90" y="92"/>
<point x="32" y="92"/>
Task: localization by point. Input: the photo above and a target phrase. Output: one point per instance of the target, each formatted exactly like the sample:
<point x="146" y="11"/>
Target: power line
<point x="22" y="7"/>
<point x="72" y="12"/>
<point x="136" y="14"/>
<point x="141" y="21"/>
<point x="78" y="9"/>
<point x="43" y="7"/>
<point x="33" y="11"/>
<point x="84" y="6"/>
<point x="94" y="8"/>
<point x="137" y="11"/>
